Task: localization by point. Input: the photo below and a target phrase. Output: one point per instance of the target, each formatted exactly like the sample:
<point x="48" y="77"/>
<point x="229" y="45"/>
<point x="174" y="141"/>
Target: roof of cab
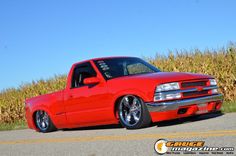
<point x="102" y="58"/>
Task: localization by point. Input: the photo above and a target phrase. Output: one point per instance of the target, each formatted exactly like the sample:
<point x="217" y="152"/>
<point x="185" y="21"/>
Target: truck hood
<point x="165" y="77"/>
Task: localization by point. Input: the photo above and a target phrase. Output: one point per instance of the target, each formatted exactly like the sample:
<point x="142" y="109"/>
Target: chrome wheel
<point x="130" y="110"/>
<point x="42" y="120"/>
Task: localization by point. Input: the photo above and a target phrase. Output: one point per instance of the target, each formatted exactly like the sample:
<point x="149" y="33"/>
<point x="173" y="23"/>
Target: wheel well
<point x="116" y="106"/>
<point x="117" y="102"/>
<point x="33" y="117"/>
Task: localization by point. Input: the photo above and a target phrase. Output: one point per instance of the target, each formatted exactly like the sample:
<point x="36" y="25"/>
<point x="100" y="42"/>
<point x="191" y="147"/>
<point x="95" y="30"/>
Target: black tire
<point x="133" y="113"/>
<point x="43" y="122"/>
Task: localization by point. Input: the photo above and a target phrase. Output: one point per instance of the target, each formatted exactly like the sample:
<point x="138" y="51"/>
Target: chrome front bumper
<point x="172" y="105"/>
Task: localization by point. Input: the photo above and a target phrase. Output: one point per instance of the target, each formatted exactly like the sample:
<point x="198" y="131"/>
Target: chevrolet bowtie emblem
<point x="199" y="88"/>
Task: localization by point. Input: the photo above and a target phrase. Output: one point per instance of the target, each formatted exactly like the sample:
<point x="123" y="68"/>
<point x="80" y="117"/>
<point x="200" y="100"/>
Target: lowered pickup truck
<point x="125" y="90"/>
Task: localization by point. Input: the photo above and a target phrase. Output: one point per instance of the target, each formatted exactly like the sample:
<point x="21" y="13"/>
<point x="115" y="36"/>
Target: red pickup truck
<point x="125" y="90"/>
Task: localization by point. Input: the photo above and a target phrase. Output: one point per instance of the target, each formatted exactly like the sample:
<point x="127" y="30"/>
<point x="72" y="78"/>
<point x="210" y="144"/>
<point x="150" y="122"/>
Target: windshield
<point x="118" y="67"/>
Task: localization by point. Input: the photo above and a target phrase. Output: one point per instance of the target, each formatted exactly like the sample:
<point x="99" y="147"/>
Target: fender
<point x="135" y="92"/>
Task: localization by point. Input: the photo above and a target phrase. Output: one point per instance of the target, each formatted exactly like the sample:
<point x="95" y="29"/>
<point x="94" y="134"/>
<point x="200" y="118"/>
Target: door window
<point x="82" y="71"/>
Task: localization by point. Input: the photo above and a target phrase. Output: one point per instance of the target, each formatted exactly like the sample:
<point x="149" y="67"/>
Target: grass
<point x="229" y="107"/>
<point x="13" y="126"/>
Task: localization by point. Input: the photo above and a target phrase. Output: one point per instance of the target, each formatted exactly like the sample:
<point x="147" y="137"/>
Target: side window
<point x="81" y="72"/>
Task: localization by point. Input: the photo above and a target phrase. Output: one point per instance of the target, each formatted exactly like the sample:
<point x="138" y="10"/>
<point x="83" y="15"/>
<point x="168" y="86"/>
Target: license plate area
<point x="202" y="108"/>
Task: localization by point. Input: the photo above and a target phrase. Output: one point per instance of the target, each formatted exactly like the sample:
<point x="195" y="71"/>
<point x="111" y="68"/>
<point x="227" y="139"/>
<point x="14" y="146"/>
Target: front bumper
<point x="173" y="105"/>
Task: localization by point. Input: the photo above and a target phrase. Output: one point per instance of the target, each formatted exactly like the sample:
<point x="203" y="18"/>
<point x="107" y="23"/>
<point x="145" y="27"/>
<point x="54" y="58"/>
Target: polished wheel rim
<point x="130" y="110"/>
<point x="42" y="120"/>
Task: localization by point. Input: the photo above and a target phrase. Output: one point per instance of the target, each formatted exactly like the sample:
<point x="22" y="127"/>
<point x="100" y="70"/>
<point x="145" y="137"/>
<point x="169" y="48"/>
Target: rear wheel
<point x="133" y="113"/>
<point x="43" y="122"/>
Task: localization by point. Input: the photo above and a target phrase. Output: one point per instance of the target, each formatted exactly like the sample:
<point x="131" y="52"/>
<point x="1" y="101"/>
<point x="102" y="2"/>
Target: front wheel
<point x="43" y="122"/>
<point x="133" y="113"/>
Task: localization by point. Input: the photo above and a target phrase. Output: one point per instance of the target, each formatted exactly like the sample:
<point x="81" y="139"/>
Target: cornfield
<point x="221" y="64"/>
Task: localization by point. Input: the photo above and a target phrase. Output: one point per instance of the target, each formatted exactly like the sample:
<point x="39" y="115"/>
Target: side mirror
<point x="91" y="80"/>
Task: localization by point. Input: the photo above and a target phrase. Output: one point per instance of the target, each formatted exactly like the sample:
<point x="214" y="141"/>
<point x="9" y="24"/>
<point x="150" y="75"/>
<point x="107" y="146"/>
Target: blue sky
<point x="39" y="39"/>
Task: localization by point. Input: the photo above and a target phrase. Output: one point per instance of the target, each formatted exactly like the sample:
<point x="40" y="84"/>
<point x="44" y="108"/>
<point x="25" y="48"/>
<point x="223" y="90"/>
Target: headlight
<point x="168" y="86"/>
<point x="213" y="82"/>
<point x="166" y="96"/>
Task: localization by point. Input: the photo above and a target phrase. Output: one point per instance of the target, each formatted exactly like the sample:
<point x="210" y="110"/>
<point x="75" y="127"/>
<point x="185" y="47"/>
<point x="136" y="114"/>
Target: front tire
<point x="133" y="113"/>
<point x="43" y="122"/>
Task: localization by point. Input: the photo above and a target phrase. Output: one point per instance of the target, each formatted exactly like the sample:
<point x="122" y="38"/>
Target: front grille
<point x="195" y="93"/>
<point x="193" y="84"/>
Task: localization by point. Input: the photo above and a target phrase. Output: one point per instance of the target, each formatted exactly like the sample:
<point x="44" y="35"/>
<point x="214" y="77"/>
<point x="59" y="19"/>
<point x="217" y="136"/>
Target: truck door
<point x="87" y="103"/>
